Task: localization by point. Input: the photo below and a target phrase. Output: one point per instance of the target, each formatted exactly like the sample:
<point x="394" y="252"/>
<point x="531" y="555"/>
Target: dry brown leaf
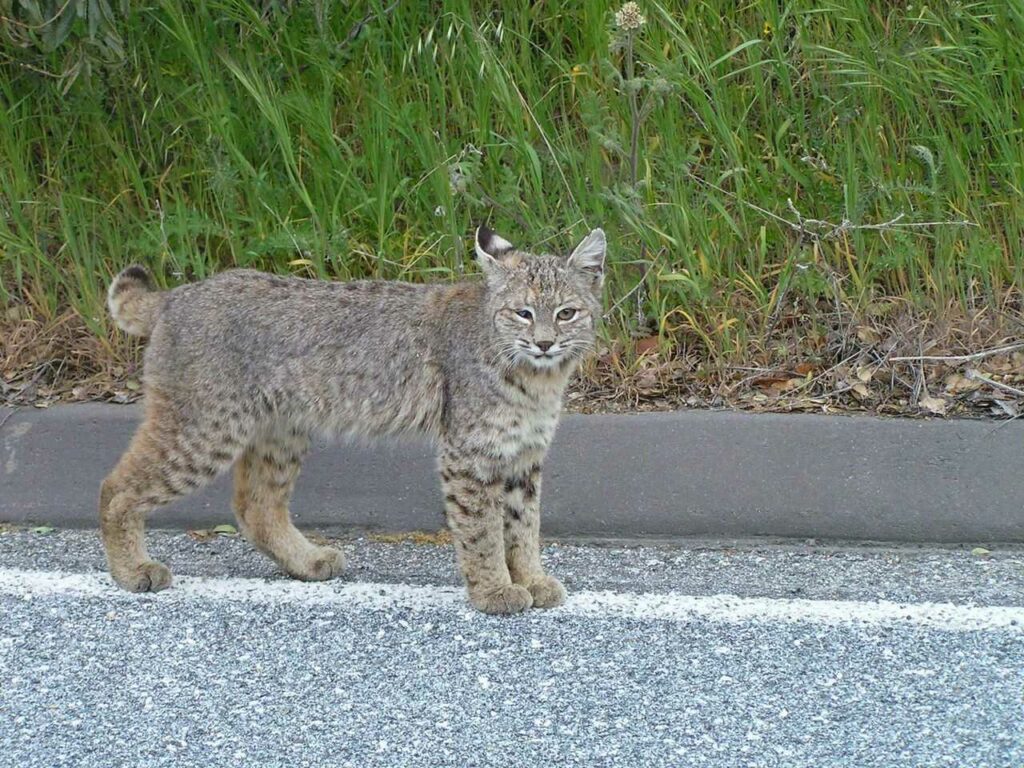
<point x="868" y="335"/>
<point x="772" y="381"/>
<point x="957" y="383"/>
<point x="934" y="405"/>
<point x="647" y="345"/>
<point x="785" y="385"/>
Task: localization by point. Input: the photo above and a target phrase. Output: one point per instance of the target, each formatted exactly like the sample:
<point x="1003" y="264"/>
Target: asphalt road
<point x="693" y="655"/>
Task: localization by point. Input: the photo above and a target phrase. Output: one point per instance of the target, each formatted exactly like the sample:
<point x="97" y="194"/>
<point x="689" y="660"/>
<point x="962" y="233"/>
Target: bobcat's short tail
<point x="133" y="303"/>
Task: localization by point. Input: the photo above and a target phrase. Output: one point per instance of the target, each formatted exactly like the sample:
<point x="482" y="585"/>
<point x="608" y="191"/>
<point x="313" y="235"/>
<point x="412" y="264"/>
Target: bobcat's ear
<point x="588" y="256"/>
<point x="491" y="249"/>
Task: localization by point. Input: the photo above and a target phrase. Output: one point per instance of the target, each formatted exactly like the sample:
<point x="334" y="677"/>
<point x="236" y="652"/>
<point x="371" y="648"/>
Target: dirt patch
<point x="431" y="538"/>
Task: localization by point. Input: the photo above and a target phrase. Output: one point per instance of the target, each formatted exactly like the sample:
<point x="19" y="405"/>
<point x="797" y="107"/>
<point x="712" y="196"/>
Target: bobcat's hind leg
<point x="264" y="479"/>
<point x="167" y="458"/>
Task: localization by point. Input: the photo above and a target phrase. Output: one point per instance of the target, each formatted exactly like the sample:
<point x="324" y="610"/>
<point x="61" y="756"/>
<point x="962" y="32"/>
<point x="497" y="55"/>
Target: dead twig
<point x="958" y="358"/>
<point x="640" y="284"/>
<point x="1010" y="418"/>
<point x="820" y="230"/>
<point x="978" y="376"/>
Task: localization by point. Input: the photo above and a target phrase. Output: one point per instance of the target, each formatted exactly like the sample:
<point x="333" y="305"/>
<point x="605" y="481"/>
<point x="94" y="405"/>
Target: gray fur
<point x="243" y="367"/>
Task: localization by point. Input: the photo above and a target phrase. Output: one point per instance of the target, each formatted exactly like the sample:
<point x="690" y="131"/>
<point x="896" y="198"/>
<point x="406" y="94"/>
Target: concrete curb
<point x="693" y="473"/>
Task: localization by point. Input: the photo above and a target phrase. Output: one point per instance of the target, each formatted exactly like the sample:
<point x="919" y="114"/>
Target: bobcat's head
<point x="544" y="308"/>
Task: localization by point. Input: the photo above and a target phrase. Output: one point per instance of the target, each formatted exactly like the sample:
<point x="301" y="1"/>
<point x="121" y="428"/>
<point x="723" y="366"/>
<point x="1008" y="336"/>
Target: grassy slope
<point x="225" y="138"/>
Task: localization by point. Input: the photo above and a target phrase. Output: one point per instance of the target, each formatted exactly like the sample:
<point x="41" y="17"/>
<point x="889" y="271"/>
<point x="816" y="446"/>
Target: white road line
<point x="669" y="606"/>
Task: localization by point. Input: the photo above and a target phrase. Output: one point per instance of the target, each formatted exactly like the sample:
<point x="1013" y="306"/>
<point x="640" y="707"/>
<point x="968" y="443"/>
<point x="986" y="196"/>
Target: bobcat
<point x="242" y="368"/>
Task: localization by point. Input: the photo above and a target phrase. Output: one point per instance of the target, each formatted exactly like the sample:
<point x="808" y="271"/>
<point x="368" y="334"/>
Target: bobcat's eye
<point x="566" y="313"/>
<point x="525" y="314"/>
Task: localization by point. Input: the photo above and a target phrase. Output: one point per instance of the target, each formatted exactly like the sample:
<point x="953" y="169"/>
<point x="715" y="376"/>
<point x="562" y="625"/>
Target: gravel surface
<point x="162" y="680"/>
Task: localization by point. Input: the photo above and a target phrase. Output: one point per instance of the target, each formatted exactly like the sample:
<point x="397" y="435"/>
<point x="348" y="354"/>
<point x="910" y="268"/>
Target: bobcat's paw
<point x="147" y="576"/>
<point x="322" y="564"/>
<point x="510" y="598"/>
<point x="547" y="592"/>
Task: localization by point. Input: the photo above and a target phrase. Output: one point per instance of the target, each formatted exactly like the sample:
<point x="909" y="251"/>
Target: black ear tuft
<point x="136" y="272"/>
<point x="484" y="235"/>
<point x="490" y="243"/>
<point x="134" y="277"/>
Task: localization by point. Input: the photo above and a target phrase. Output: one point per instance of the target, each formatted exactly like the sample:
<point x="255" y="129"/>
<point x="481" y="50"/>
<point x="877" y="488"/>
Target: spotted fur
<point x="243" y="368"/>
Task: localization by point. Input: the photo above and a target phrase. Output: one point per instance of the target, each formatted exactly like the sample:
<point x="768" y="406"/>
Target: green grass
<point x="228" y="138"/>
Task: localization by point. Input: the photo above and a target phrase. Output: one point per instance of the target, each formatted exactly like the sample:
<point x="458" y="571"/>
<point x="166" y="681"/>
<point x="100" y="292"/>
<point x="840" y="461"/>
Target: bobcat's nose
<point x="544" y="346"/>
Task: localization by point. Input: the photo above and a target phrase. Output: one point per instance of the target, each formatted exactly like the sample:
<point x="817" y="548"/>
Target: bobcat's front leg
<point x="472" y="499"/>
<point x="521" y="510"/>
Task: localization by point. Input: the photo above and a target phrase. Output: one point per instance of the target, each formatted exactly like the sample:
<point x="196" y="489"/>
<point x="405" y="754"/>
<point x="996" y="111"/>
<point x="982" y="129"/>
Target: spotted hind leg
<point x="264" y="479"/>
<point x="168" y="457"/>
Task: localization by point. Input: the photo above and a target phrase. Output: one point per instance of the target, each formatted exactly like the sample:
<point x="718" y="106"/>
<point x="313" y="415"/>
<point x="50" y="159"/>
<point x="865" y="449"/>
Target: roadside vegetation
<point x="797" y="194"/>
